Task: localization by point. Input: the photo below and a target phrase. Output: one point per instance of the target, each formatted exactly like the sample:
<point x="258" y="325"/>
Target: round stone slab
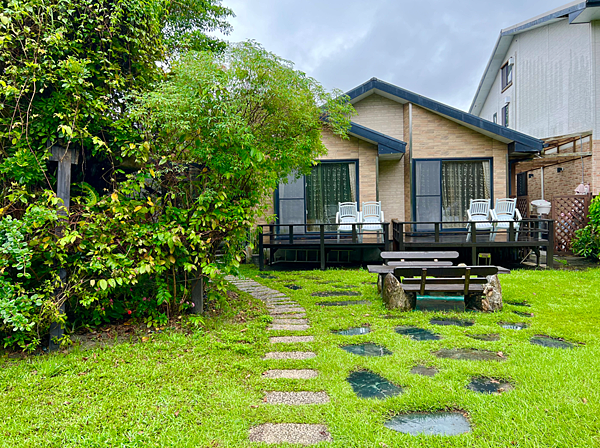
<point x="290" y="433"/>
<point x="290" y="355"/>
<point x="489" y="386"/>
<point x="371" y="385"/>
<point x="345" y="303"/>
<point x="296" y="398"/>
<point x="353" y="331"/>
<point x="424" y="371"/>
<point x="418" y="334"/>
<point x="547" y="341"/>
<point x="336" y="294"/>
<point x="485" y="337"/>
<point x="305" y="374"/>
<point x="440" y="423"/>
<point x="457" y="322"/>
<point x="368" y="349"/>
<point x="513" y="326"/>
<point x="291" y="339"/>
<point x="469" y="354"/>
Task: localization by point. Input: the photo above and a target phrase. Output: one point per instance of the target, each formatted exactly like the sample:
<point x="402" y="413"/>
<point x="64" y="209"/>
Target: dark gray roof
<point x="524" y="142"/>
<point x="386" y="145"/>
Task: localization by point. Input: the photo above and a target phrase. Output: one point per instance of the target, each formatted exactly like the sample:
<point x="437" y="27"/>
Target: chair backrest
<point x="479" y="207"/>
<point x="506" y="207"/>
<point x="348" y="211"/>
<point x="371" y="211"/>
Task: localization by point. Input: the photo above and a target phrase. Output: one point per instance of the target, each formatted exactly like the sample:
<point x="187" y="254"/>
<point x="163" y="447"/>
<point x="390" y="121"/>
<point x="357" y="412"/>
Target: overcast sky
<point x="437" y="48"/>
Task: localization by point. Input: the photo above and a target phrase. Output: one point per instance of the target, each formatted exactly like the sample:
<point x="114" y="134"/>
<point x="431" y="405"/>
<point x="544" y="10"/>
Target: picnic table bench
<point x="454" y="279"/>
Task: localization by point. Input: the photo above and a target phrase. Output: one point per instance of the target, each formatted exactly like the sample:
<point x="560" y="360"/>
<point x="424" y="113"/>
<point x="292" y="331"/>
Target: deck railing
<point x="287" y="236"/>
<point x="533" y="233"/>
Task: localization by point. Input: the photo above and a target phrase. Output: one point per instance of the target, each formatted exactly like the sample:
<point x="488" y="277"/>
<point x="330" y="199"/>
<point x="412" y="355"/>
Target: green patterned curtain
<point x="461" y="182"/>
<point x="326" y="186"/>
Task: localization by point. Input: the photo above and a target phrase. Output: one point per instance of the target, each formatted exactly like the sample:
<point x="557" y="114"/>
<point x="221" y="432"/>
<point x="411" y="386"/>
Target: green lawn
<point x="205" y="389"/>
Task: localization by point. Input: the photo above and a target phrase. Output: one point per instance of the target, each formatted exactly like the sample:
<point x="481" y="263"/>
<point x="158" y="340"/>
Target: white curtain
<point x="461" y="182"/>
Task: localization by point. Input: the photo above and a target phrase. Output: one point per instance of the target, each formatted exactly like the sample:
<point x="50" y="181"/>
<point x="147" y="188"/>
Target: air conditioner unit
<point x="511" y="61"/>
<point x="507" y="100"/>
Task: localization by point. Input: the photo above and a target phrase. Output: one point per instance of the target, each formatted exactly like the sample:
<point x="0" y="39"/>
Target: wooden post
<point x="322" y="247"/>
<point x="437" y="232"/>
<point x="65" y="158"/>
<point x="261" y="249"/>
<point x="198" y="295"/>
<point x="401" y="238"/>
<point x="550" y="247"/>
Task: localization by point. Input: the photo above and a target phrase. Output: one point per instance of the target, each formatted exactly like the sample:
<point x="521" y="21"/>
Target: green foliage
<point x="210" y="144"/>
<point x="587" y="240"/>
<point x="67" y="68"/>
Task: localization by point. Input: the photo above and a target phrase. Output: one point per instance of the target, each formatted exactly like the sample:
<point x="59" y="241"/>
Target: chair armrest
<point x="469" y="215"/>
<point x="494" y="215"/>
<point x="518" y="216"/>
<point x="337" y="217"/>
<point x="382" y="218"/>
<point x="359" y="217"/>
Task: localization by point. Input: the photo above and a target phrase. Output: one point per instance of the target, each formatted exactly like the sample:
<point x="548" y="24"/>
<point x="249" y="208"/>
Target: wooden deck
<point x="534" y="234"/>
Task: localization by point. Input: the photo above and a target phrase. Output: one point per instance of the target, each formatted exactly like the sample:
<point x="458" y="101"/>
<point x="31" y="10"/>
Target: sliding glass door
<point x="313" y="199"/>
<point x="444" y="189"/>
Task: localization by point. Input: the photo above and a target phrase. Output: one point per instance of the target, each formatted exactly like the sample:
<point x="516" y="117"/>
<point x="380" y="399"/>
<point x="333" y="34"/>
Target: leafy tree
<point x="205" y="148"/>
<point x="68" y="66"/>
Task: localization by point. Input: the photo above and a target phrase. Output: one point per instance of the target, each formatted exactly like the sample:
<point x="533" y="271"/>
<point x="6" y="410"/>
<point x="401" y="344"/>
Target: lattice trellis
<point x="570" y="213"/>
<point x="523" y="205"/>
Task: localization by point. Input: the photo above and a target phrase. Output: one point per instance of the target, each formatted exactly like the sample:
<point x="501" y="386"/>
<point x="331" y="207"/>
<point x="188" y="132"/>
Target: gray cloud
<point x="437" y="48"/>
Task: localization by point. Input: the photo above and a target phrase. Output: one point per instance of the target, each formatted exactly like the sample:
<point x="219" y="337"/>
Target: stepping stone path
<point x="287" y="315"/>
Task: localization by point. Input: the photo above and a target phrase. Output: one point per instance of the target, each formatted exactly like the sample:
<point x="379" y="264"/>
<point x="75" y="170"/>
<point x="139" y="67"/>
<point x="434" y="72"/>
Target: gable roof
<point x="578" y="11"/>
<point x="388" y="147"/>
<point x="520" y="142"/>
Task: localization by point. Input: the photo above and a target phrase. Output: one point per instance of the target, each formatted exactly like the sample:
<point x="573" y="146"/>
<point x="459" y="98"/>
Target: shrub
<point x="587" y="240"/>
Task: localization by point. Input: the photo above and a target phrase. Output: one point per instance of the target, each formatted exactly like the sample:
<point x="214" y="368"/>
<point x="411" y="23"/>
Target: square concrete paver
<point x="288" y="328"/>
<point x="296" y="398"/>
<point x="287" y="321"/>
<point x="303" y="374"/>
<point x="291" y="339"/>
<point x="272" y="433"/>
<point x="290" y="355"/>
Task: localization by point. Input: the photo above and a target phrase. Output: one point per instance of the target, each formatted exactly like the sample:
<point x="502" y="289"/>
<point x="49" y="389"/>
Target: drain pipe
<point x="542" y="182"/>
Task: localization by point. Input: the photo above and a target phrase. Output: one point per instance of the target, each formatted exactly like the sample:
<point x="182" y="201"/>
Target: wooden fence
<point x="570" y="214"/>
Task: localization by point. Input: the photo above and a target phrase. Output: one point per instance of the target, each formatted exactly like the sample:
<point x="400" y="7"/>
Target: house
<point x="422" y="159"/>
<point x="543" y="79"/>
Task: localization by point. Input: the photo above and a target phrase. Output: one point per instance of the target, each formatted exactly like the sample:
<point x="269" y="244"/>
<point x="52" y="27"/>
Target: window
<point x="507" y="74"/>
<point x="522" y="184"/>
<point x="313" y="199"/>
<point x="327" y="185"/>
<point x="505" y="117"/>
<point x="495" y="118"/>
<point x="444" y="189"/>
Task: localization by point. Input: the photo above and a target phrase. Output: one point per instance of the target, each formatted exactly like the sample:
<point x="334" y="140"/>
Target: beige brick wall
<point x="366" y="153"/>
<point x="391" y="189"/>
<point x="435" y="137"/>
<point x="381" y="114"/>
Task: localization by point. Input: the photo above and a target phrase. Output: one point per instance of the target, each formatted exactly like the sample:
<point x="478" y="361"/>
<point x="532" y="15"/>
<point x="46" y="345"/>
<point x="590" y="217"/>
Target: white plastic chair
<point x="479" y="214"/>
<point x="347" y="214"/>
<point x="372" y="217"/>
<point x="506" y="210"/>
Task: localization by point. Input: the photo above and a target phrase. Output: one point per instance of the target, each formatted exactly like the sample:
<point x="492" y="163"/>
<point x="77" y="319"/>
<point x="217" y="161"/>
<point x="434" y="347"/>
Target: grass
<point x="205" y="389"/>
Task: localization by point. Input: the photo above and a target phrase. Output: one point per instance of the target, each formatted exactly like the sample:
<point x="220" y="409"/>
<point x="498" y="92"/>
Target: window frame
<point x="445" y="228"/>
<point x="506" y="76"/>
<point x="506" y="115"/>
<point x="276" y="204"/>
